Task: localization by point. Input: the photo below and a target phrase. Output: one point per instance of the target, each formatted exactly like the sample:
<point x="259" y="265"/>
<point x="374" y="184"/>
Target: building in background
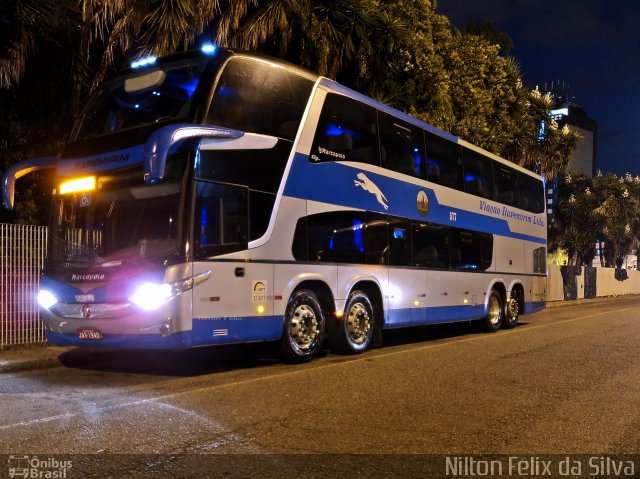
<point x="584" y="159"/>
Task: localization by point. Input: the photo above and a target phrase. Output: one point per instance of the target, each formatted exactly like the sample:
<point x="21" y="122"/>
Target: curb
<point x="31" y="359"/>
<point x="589" y="301"/>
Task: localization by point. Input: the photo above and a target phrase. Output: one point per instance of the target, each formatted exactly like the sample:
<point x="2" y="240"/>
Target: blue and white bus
<point x="215" y="197"/>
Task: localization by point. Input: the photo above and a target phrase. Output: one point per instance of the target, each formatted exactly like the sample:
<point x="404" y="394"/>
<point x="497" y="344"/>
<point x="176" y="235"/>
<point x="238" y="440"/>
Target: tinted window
<point x="470" y="250"/>
<point x="337" y="237"/>
<point x="255" y="96"/>
<point x="444" y="162"/>
<point x="258" y="169"/>
<point x="376" y="244"/>
<point x="221" y="219"/>
<point x="505" y="184"/>
<point x="477" y="173"/>
<point x="399" y="231"/>
<point x="120" y="104"/>
<point x="531" y="193"/>
<point x="347" y="131"/>
<point x="403" y="145"/>
<point x="430" y="245"/>
<point x="540" y="260"/>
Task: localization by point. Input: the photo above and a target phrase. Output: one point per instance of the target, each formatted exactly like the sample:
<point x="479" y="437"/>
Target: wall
<point x="606" y="283"/>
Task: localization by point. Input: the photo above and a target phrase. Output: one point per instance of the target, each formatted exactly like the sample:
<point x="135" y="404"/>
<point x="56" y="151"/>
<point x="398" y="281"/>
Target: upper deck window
<point x="347" y="131"/>
<point x="259" y="97"/>
<point x="155" y="94"/>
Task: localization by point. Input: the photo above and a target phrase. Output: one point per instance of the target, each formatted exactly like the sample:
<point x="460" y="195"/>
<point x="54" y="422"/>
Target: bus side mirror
<point x="161" y="141"/>
<point x="20" y="169"/>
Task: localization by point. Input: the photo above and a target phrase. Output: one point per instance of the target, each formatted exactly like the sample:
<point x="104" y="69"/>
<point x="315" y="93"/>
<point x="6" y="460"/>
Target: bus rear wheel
<point x="511" y="311"/>
<point x="352" y="333"/>
<point x="495" y="312"/>
<point x="303" y="329"/>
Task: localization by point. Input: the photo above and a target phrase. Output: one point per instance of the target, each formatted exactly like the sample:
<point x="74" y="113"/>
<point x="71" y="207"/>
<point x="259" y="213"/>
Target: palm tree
<point x="22" y="24"/>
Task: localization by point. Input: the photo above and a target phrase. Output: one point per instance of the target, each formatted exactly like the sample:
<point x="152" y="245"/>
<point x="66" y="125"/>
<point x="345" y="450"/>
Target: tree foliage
<point x="53" y="53"/>
<point x="603" y="209"/>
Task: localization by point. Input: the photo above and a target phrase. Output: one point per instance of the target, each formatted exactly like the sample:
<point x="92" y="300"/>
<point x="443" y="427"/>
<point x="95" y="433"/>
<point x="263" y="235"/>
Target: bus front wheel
<point x="353" y="331"/>
<point x="303" y="329"/>
<point x="495" y="312"/>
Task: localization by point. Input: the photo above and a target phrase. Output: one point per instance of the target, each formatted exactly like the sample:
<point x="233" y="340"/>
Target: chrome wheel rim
<point x="494" y="311"/>
<point x="304" y="328"/>
<point x="512" y="309"/>
<point x="359" y="325"/>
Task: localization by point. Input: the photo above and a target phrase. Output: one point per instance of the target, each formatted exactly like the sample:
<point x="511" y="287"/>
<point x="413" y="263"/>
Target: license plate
<point x="89" y="334"/>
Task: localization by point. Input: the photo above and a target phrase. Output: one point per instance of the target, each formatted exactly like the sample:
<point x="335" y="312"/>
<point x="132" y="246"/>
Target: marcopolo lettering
<point x="87" y="277"/>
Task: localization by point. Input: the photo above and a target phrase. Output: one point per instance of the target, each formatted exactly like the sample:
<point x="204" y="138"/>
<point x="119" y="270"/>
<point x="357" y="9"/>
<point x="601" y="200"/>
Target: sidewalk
<point x="30" y="358"/>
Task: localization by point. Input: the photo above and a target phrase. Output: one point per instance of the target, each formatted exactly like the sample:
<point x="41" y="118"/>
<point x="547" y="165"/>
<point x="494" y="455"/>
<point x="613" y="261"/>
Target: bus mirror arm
<point x="20" y="169"/>
<point x="163" y="140"/>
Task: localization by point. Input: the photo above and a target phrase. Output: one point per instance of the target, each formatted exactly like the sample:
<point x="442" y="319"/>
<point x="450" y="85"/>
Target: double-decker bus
<point x="217" y="196"/>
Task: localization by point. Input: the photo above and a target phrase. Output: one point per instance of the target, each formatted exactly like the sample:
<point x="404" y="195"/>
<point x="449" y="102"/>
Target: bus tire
<point x="495" y="312"/>
<point x="303" y="328"/>
<point x="352" y="333"/>
<point x="511" y="311"/>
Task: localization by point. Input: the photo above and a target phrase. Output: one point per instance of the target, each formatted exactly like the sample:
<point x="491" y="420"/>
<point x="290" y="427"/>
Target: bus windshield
<point x="151" y="96"/>
<point x="122" y="221"/>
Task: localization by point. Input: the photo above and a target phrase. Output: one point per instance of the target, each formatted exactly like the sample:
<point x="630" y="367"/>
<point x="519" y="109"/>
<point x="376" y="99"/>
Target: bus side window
<point x="531" y="193"/>
<point x="335" y="237"/>
<point x="431" y="247"/>
<point x="403" y="145"/>
<point x="466" y="250"/>
<point x="399" y="242"/>
<point x="347" y="131"/>
<point x="376" y="240"/>
<point x="444" y="162"/>
<point x="478" y="179"/>
<point x="505" y="184"/>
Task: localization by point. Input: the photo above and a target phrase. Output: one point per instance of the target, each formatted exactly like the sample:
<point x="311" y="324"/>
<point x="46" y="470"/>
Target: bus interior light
<point x="87" y="183"/>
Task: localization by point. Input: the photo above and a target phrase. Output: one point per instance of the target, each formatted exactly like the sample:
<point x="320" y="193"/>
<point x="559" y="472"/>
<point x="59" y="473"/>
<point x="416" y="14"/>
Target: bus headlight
<point x="46" y="298"/>
<point x="151" y="296"/>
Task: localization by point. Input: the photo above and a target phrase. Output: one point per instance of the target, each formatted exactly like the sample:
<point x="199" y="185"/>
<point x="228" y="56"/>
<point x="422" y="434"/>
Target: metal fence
<point x="22" y="254"/>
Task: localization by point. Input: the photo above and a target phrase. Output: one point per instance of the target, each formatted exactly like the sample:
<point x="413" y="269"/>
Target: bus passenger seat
<point x="426" y="256"/>
<point x="433" y="173"/>
<point x="342" y="143"/>
<point x="365" y="154"/>
<point x="456" y="257"/>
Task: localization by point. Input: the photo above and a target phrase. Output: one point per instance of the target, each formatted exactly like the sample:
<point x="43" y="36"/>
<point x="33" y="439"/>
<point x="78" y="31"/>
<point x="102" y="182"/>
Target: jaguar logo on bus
<point x="422" y="202"/>
<point x="367" y="185"/>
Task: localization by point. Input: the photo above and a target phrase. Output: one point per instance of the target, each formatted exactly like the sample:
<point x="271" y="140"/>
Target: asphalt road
<point x="565" y="382"/>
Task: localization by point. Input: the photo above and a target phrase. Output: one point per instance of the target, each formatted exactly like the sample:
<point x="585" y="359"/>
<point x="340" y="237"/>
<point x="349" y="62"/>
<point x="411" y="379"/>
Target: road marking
<point x="311" y="367"/>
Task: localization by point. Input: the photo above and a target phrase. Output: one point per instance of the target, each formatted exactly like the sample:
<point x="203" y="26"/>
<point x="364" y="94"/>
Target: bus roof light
<point x="208" y="48"/>
<point x="143" y="62"/>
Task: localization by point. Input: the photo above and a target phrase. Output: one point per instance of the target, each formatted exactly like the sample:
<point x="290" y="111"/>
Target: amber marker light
<point x="260" y="309"/>
<point x="87" y="183"/>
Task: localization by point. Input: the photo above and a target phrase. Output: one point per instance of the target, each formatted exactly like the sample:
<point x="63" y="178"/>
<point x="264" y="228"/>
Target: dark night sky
<point x="591" y="45"/>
